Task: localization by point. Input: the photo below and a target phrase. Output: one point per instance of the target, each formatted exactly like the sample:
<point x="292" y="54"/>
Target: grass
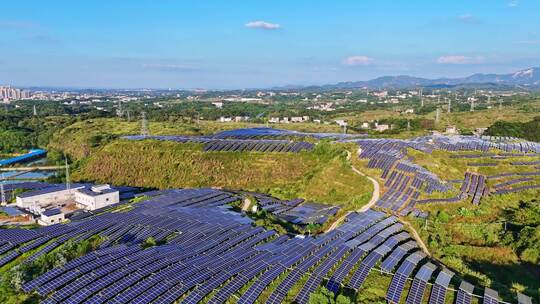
<point x="321" y="175"/>
<point x="472" y="240"/>
<point x="463" y="120"/>
<point x="79" y="139"/>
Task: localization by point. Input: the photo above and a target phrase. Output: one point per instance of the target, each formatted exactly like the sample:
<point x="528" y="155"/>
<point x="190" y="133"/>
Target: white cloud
<point x="262" y="25"/>
<point x="167" y="67"/>
<point x="467" y="18"/>
<point x="459" y="59"/>
<point x="357" y="60"/>
<point x="513" y="3"/>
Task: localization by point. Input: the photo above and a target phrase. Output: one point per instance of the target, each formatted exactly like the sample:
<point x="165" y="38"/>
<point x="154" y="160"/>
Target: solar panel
<point x="438" y="292"/>
<point x="523" y="299"/>
<point x="419" y="284"/>
<point x="490" y="296"/>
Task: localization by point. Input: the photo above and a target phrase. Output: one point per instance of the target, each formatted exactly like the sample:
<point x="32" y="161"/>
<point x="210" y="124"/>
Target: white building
<point x="451" y="130"/>
<point x="87" y="197"/>
<point x="341" y="122"/>
<point x="382" y="127"/>
<point x="35" y="200"/>
<point x="225" y="119"/>
<point x="96" y="197"/>
<point x="51" y="217"/>
<point x="218" y="104"/>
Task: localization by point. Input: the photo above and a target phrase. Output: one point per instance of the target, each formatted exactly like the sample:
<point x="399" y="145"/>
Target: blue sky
<point x="255" y="43"/>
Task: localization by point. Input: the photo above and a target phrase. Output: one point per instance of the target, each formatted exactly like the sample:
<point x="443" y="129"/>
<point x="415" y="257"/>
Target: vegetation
<point x="14" y="274"/>
<point x="528" y="130"/>
<point x="160" y="164"/>
<point x="493" y="244"/>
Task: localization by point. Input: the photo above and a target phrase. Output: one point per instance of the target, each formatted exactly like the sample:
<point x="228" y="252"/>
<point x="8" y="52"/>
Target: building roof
<point x="51" y="212"/>
<point x="90" y="192"/>
<point x="52" y="189"/>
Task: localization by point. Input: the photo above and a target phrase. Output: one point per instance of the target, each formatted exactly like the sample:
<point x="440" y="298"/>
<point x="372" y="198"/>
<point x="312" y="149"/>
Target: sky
<point x="229" y="44"/>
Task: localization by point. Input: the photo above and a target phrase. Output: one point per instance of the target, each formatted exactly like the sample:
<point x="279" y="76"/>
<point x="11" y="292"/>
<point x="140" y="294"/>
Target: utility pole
<point x="144" y="125"/>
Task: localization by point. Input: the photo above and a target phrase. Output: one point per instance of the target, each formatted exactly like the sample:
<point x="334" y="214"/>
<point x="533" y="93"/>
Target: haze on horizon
<point x="240" y="44"/>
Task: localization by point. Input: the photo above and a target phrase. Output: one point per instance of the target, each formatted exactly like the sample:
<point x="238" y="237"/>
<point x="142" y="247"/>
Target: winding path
<point x="374" y="198"/>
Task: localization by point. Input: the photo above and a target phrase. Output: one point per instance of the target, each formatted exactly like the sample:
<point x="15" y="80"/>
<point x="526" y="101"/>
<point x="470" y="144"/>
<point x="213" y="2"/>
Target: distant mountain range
<point x="527" y="79"/>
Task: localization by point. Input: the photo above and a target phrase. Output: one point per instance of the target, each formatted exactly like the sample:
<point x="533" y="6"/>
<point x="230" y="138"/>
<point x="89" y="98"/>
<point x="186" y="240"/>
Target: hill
<point x="529" y="78"/>
<point x="321" y="175"/>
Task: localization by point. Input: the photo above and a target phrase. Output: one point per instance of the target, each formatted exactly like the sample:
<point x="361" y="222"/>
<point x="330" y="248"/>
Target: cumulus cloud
<point x="357" y="60"/>
<point x="459" y="59"/>
<point x="259" y="24"/>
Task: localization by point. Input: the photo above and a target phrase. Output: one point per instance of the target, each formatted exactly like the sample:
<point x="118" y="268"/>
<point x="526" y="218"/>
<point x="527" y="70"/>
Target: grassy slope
<point x="75" y="139"/>
<point x="321" y="175"/>
<point x="471" y="240"/>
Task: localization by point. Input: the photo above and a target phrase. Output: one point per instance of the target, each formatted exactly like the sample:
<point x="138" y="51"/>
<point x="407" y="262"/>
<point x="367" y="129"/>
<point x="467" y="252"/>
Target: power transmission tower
<point x="144" y="125"/>
<point x="421" y="98"/>
<point x="500" y="104"/>
<point x="408" y="125"/>
<point x="437" y="116"/>
<point x="3" y="193"/>
<point x="35" y="110"/>
<point x="68" y="185"/>
<point x="472" y="104"/>
<point x="128" y="116"/>
<point x="120" y="111"/>
<point x="449" y="105"/>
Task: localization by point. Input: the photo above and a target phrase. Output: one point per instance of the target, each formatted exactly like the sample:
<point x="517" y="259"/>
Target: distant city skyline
<point x="260" y="44"/>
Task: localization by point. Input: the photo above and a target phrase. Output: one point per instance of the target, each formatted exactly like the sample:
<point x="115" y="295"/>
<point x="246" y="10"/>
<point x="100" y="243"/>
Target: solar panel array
<point x="211" y="253"/>
<point x="405" y="180"/>
<point x="234" y="145"/>
<point x="296" y="211"/>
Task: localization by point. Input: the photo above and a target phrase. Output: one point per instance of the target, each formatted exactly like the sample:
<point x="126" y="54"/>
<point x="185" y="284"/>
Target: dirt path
<point x="416" y="237"/>
<point x="374" y="197"/>
<point x="371" y="203"/>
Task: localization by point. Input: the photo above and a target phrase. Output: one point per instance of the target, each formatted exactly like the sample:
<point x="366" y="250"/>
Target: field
<point x="463" y="120"/>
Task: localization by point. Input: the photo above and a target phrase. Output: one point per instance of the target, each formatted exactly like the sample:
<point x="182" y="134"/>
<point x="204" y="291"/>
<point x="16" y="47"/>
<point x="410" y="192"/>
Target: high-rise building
<point x="8" y="94"/>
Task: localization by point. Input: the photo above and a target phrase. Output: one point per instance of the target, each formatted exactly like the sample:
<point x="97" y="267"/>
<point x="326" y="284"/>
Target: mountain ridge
<point x="527" y="78"/>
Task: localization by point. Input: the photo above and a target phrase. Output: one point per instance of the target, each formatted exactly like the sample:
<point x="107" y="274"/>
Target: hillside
<point x="163" y="165"/>
<point x="81" y="138"/>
